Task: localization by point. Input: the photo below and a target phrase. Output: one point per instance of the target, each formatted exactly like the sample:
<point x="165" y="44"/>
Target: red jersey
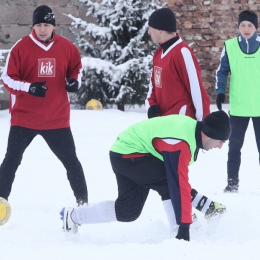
<point x="32" y="61"/>
<point x="176" y="85"/>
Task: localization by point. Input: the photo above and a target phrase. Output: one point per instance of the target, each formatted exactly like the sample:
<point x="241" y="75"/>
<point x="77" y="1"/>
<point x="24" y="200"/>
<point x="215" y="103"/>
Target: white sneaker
<point x="68" y="225"/>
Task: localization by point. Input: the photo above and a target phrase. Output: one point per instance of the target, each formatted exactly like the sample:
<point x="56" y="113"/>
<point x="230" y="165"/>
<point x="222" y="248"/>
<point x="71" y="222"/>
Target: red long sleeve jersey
<point x="176" y="85"/>
<point x="32" y="61"/>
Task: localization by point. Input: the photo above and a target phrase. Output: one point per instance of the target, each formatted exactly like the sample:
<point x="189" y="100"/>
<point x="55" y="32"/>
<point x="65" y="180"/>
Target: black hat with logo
<point x="43" y="14"/>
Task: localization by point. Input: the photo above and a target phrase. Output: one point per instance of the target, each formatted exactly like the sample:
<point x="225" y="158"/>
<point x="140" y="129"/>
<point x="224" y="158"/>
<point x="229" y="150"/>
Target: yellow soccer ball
<point x="94" y="104"/>
<point x="5" y="211"/>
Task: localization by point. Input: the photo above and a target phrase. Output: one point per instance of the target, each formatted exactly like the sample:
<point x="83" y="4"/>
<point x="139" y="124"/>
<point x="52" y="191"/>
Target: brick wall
<point x="209" y="24"/>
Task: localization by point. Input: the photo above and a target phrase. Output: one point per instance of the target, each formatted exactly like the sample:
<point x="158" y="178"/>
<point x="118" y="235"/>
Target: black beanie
<point x="43" y="14"/>
<point x="163" y="19"/>
<point x="249" y="16"/>
<point x="217" y="126"/>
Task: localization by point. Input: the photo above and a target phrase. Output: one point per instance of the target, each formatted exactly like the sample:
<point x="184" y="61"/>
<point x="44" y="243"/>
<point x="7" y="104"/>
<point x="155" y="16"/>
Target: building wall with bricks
<point x="206" y="23"/>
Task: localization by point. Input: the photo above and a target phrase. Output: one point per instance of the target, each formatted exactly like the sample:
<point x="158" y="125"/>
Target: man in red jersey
<point x="40" y="70"/>
<point x="176" y="86"/>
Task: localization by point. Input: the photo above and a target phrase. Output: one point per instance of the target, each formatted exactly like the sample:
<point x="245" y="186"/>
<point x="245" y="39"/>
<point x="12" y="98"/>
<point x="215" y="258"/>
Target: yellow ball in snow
<point x="94" y="104"/>
<point x="5" y="211"/>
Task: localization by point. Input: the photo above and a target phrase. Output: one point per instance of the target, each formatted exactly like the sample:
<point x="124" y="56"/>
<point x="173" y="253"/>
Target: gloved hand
<point x="153" y="111"/>
<point x="38" y="89"/>
<point x="72" y="85"/>
<point x="183" y="233"/>
<point x="220" y="100"/>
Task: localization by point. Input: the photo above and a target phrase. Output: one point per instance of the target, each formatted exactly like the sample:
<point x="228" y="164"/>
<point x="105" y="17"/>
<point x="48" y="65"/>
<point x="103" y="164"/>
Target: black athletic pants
<point x="239" y="126"/>
<point x="62" y="145"/>
<point x="135" y="177"/>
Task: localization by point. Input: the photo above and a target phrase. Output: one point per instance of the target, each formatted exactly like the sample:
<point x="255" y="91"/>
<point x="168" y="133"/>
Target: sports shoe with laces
<point x="215" y="209"/>
<point x="231" y="188"/>
<point x="68" y="224"/>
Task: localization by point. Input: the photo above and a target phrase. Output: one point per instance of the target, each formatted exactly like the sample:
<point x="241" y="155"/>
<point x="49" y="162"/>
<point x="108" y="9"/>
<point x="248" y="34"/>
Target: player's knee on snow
<point x="126" y="213"/>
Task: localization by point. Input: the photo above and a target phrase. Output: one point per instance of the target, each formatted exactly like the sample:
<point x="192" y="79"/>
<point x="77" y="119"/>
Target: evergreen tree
<point x="118" y="62"/>
<point x="3" y="54"/>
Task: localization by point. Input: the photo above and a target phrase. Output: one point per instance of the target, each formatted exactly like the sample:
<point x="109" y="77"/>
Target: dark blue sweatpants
<point x="239" y="126"/>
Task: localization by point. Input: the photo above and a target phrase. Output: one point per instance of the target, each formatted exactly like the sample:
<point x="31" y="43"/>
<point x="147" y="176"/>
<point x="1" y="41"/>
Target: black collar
<point x="169" y="43"/>
<point x="198" y="135"/>
<point x="198" y="139"/>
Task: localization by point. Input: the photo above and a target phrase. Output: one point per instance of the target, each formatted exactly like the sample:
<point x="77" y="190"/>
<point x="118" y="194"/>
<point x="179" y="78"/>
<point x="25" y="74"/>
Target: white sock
<point x="102" y="212"/>
<point x="167" y="204"/>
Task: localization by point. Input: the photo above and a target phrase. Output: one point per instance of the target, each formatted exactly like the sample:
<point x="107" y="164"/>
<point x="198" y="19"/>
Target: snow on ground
<point x="41" y="189"/>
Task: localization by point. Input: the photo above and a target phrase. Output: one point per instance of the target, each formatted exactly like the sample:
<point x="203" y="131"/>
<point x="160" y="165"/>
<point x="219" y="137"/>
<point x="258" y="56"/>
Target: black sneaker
<point x="231" y="189"/>
<point x="215" y="209"/>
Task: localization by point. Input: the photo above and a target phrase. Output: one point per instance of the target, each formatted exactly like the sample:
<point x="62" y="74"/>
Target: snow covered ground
<point x="41" y="189"/>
